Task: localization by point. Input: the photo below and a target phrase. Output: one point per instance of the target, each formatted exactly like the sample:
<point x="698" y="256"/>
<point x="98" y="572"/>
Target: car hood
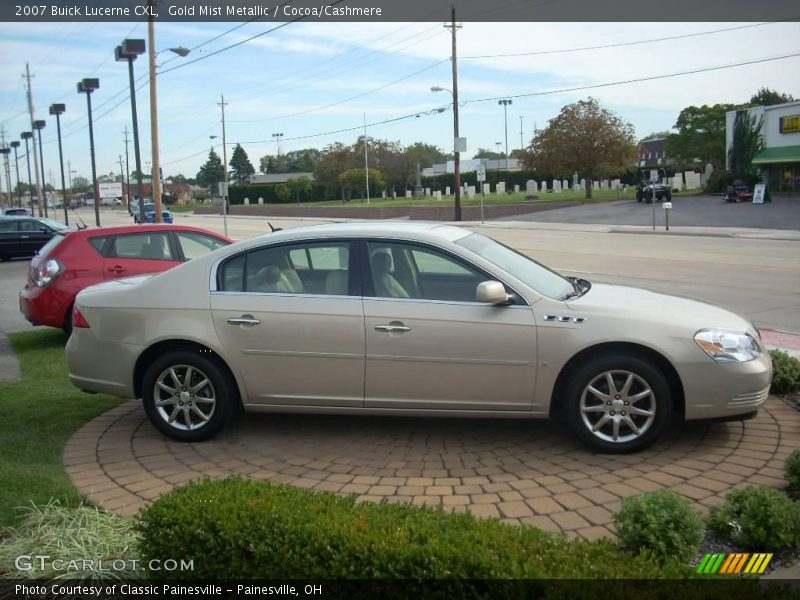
<point x="643" y="306"/>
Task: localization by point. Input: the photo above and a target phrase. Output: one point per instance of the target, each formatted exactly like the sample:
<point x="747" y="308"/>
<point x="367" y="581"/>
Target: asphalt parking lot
<point x="690" y="211"/>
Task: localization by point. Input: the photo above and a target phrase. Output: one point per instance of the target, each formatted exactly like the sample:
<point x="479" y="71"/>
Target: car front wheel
<point x="618" y="404"/>
<point x="187" y="397"/>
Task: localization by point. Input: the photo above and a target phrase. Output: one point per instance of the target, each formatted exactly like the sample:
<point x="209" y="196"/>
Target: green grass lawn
<point x="40" y="413"/>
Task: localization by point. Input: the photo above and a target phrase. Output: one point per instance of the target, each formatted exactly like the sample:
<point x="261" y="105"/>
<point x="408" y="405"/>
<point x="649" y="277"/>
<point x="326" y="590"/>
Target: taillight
<point x="78" y="320"/>
<point x="46" y="273"/>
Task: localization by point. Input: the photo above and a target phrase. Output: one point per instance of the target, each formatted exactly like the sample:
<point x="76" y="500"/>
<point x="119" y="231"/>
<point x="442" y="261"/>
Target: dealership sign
<point x="110" y="190"/>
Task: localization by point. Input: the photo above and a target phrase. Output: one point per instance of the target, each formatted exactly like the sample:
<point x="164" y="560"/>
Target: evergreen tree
<point x="212" y="172"/>
<point x="241" y="167"/>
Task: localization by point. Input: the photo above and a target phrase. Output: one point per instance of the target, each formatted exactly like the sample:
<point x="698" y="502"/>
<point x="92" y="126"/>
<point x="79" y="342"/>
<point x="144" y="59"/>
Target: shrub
<point x="662" y="523"/>
<point x="791" y="470"/>
<point x="758" y="516"/>
<point x="785" y="372"/>
<point x="241" y="529"/>
<point x="65" y="533"/>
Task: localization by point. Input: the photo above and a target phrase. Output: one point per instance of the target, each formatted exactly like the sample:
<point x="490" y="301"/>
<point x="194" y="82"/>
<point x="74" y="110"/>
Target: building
<point x="779" y="161"/>
<point x="278" y="177"/>
<point x="653" y="153"/>
<point x="471" y="164"/>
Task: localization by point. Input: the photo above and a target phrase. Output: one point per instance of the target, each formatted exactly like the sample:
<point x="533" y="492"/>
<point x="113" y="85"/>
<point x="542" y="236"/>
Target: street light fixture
<point x="38" y="126"/>
<point x="26" y="135"/>
<point x="87" y="86"/>
<point x="58" y="110"/>
<point x="15" y="145"/>
<point x="128" y="51"/>
<point x="278" y="137"/>
<point x="456" y="149"/>
<point x="505" y="104"/>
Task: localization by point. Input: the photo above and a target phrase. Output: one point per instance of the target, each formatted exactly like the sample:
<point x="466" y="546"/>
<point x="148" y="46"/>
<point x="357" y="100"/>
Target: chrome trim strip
<point x="286" y="295"/>
<point x="450" y="302"/>
<point x="436" y="359"/>
<point x="301" y="354"/>
<point x="563" y="319"/>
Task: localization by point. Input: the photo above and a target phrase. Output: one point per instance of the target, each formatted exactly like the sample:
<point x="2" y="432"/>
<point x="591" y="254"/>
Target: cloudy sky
<point x="309" y="81"/>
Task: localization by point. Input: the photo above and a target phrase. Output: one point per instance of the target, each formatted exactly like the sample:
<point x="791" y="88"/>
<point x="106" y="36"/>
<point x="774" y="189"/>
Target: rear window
<point x="51" y="244"/>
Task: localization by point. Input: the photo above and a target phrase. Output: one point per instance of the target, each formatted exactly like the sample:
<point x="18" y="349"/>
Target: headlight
<point x="727" y="346"/>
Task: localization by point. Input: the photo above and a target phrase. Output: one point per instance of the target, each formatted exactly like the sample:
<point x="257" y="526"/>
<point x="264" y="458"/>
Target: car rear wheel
<point x="187" y="397"/>
<point x="618" y="403"/>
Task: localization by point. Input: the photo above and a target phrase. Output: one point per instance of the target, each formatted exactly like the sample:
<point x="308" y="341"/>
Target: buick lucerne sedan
<point x="409" y="319"/>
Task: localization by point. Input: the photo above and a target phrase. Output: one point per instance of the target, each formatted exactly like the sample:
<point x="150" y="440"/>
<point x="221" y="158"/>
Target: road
<point x="757" y="276"/>
<point x="699" y="211"/>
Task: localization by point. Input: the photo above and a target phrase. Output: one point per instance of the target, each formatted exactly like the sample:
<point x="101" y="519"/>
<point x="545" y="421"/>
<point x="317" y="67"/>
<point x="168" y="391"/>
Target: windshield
<point x="527" y="270"/>
<point x="52" y="224"/>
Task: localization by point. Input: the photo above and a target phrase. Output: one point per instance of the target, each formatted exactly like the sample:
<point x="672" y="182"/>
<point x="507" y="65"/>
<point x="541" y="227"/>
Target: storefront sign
<point x="790" y="124"/>
<point x="758" y="193"/>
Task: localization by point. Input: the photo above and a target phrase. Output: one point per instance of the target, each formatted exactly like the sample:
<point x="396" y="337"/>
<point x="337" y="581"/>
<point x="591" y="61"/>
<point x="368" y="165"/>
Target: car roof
<point x="141" y="228"/>
<point x="421" y="230"/>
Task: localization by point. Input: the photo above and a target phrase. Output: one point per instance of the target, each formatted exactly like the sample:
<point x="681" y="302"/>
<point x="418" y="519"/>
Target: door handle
<point x="244" y="320"/>
<point x="116" y="269"/>
<point x="393" y="327"/>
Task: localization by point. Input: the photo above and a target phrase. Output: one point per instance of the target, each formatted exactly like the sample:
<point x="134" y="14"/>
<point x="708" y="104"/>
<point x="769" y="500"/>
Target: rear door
<point x="139" y="253"/>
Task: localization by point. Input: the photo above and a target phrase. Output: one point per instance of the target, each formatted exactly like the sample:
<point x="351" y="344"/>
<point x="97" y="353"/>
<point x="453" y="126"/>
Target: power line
<point x="634" y="43"/>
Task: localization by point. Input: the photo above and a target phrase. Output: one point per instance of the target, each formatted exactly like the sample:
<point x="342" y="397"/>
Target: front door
<point x="430" y="345"/>
<point x="291" y="319"/>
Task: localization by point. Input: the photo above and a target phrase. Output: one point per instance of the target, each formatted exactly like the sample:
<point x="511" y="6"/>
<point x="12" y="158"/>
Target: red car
<point x="75" y="259"/>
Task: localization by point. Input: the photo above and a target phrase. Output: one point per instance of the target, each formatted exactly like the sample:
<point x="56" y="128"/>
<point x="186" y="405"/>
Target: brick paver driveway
<point x="520" y="471"/>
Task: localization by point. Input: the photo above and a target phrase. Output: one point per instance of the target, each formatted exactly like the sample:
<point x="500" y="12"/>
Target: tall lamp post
<point x="38" y="126"/>
<point x="87" y="86"/>
<point x="278" y="137"/>
<point x="15" y="145"/>
<point x="26" y="135"/>
<point x="128" y="51"/>
<point x="58" y="110"/>
<point x="505" y="104"/>
<point x="457" y="152"/>
<point x="5" y="151"/>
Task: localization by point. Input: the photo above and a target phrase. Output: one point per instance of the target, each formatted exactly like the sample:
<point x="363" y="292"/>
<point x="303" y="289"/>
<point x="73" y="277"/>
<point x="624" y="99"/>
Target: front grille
<point x="749" y="399"/>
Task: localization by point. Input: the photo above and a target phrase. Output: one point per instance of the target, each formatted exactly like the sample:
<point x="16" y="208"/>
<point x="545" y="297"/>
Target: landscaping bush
<point x="241" y="529"/>
<point x="758" y="517"/>
<point x="791" y="470"/>
<point x="785" y="372"/>
<point x="66" y="534"/>
<point x="661" y="522"/>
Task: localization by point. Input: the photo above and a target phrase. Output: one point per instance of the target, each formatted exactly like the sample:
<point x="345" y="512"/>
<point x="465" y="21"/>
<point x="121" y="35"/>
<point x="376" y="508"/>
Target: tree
<point x="135" y="175"/>
<point x="767" y="97"/>
<point x="656" y="135"/>
<point x="491" y="155"/>
<point x="241" y="167"/>
<point x="584" y="137"/>
<point x="353" y="180"/>
<point x="80" y="185"/>
<point x="298" y="186"/>
<point x="335" y="160"/>
<point x="701" y="135"/>
<point x="212" y="172"/>
<point x="747" y="143"/>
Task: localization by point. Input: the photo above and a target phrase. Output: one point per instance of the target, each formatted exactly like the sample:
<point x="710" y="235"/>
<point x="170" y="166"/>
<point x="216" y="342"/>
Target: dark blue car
<point x="150" y="214"/>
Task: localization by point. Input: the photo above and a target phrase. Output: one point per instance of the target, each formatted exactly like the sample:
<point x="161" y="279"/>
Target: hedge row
<point x="241" y="529"/>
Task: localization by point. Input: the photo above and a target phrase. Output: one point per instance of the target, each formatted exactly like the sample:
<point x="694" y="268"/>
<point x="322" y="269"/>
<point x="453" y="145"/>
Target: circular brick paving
<point x="520" y="471"/>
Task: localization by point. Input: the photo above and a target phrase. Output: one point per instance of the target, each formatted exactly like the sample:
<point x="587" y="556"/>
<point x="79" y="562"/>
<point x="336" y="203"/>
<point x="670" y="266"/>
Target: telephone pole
<point x="127" y="178"/>
<point x="456" y="142"/>
<point x="33" y="139"/>
<point x="521" y="143"/>
<point x="223" y="104"/>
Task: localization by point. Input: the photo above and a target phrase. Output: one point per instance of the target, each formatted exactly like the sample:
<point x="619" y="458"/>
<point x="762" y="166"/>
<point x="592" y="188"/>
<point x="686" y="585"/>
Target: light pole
<point x="38" y="126"/>
<point x="128" y="51"/>
<point x="456" y="152"/>
<point x="58" y="110"/>
<point x="278" y="137"/>
<point x="26" y="135"/>
<point x="87" y="86"/>
<point x="15" y="145"/>
<point x="5" y="151"/>
<point x="505" y="104"/>
<point x="521" y="143"/>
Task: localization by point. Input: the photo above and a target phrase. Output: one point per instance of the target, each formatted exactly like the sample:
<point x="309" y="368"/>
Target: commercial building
<point x="779" y="160"/>
<point x="653" y="153"/>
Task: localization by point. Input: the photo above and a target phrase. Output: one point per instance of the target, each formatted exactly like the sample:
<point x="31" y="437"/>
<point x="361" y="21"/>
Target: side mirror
<point x="491" y="292"/>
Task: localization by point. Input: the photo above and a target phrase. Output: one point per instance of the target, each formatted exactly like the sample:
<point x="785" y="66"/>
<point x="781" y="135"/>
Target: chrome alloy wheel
<point x="184" y="397"/>
<point x="617" y="406"/>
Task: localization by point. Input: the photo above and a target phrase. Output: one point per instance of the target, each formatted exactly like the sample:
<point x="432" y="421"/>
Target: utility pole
<point x="456" y="152"/>
<point x="366" y="162"/>
<point x="521" y="143"/>
<point x="121" y="174"/>
<point x="35" y="164"/>
<point x="127" y="178"/>
<point x="6" y="172"/>
<point x="223" y="104"/>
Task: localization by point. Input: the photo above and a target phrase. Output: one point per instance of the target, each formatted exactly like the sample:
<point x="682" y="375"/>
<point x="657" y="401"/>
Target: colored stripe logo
<point x="734" y="563"/>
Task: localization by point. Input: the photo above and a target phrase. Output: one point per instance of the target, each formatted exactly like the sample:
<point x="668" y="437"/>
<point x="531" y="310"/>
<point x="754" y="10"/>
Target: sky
<point x="309" y="81"/>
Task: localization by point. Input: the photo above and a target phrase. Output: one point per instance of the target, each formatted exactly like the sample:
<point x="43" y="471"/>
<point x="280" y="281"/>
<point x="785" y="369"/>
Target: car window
<point x="52" y="224"/>
<point x="98" y="243"/>
<point x="29" y="226"/>
<point x="320" y="268"/>
<point x="8" y="226"/>
<point x="45" y="250"/>
<point x="151" y="246"/>
<point x="411" y="271"/>
<point x="196" y="244"/>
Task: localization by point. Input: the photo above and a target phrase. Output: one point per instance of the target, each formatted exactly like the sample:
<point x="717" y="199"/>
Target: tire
<point x="588" y="402"/>
<point x="638" y="195"/>
<point x="68" y="320"/>
<point x="179" y="414"/>
<point x="669" y="196"/>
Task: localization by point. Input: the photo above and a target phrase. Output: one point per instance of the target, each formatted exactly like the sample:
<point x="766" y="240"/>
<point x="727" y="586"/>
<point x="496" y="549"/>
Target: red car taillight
<point x="78" y="320"/>
<point x="44" y="274"/>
